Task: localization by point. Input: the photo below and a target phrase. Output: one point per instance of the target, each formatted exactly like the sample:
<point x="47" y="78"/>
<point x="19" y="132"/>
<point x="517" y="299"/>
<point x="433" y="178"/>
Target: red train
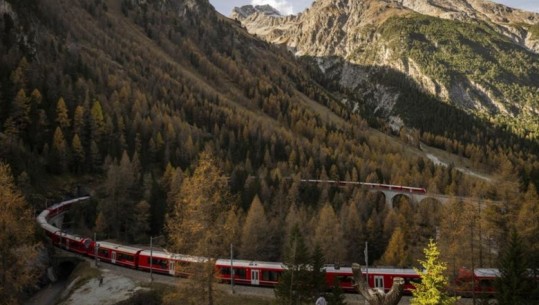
<point x="246" y="272"/>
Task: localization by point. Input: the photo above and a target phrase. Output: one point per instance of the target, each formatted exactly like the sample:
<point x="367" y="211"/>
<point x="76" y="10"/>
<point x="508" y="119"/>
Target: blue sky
<point x="295" y="6"/>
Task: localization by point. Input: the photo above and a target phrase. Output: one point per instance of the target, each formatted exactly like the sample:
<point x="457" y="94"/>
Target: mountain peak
<point x="245" y="11"/>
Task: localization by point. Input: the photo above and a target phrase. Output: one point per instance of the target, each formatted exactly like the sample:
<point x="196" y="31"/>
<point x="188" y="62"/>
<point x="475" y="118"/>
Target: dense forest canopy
<point x="122" y="98"/>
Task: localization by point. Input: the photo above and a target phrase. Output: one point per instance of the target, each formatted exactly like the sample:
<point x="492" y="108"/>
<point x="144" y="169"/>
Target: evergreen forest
<point x="128" y="101"/>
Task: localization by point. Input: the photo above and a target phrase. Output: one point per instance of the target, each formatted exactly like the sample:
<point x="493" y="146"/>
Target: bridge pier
<point x="414" y="198"/>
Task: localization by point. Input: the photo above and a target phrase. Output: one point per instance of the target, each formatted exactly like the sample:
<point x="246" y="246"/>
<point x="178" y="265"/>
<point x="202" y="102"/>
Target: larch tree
<point x="62" y="115"/>
<point x="431" y="291"/>
<point x="396" y="253"/>
<point x="528" y="226"/>
<point x="118" y="209"/>
<point x="59" y="158"/>
<point x="140" y="226"/>
<point x="196" y="224"/>
<point x="353" y="231"/>
<point x="19" y="117"/>
<point x="77" y="154"/>
<point x="329" y="235"/>
<point x="18" y="248"/>
<point x="254" y="235"/>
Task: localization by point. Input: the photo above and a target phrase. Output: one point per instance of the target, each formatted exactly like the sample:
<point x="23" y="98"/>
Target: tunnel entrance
<point x="65" y="268"/>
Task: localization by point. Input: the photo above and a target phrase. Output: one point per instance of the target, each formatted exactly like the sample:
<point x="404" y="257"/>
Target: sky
<point x="287" y="7"/>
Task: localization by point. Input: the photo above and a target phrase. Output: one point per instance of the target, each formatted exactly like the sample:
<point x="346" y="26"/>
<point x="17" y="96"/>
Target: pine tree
<point x="431" y="291"/>
<point x="294" y="285"/>
<point x="337" y="296"/>
<point x="318" y="273"/>
<point x="18" y="249"/>
<point x="514" y="285"/>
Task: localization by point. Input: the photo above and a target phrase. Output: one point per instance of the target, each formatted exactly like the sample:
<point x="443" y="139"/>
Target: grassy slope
<point x="451" y="51"/>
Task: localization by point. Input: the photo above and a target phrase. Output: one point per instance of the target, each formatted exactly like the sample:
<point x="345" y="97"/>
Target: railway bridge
<point x="415" y="194"/>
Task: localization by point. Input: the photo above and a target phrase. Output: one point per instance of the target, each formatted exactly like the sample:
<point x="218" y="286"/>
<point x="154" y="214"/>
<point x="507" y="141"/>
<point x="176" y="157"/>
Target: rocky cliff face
<point x="458" y="50"/>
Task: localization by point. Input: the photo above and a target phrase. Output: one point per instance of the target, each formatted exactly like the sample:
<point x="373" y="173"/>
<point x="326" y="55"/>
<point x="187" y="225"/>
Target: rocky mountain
<point x="248" y="10"/>
<point x="474" y="54"/>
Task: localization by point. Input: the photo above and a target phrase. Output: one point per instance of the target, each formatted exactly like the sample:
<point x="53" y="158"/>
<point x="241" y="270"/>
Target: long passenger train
<point x="254" y="273"/>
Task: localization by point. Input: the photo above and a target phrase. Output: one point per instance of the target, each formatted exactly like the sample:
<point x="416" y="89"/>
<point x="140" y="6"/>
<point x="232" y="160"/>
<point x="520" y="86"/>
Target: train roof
<point x="174" y="256"/>
<point x="118" y="247"/>
<point x="388" y="271"/>
<point x="251" y="264"/>
<point x="50" y="228"/>
<point x="487" y="272"/>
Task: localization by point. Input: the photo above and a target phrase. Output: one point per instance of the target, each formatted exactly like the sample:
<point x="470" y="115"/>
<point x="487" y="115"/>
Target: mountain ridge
<point x="370" y="33"/>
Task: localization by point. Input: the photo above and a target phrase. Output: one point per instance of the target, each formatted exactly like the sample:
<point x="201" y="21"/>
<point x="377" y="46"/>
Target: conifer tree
<point x="294" y="285"/>
<point x="18" y="248"/>
<point x="77" y="153"/>
<point x="329" y="235"/>
<point x="318" y="273"/>
<point x="62" y="117"/>
<point x="196" y="224"/>
<point x="59" y="152"/>
<point x="514" y="285"/>
<point x="337" y="296"/>
<point x="431" y="291"/>
<point x="396" y="253"/>
<point x="254" y="234"/>
<point x="19" y="117"/>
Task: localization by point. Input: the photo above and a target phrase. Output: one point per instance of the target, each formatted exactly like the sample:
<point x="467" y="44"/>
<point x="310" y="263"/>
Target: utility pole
<point x="151" y="259"/>
<point x="231" y="268"/>
<point x="367" y="261"/>
<point x="473" y="262"/>
<point x="96" y="247"/>
<point x="366" y="267"/>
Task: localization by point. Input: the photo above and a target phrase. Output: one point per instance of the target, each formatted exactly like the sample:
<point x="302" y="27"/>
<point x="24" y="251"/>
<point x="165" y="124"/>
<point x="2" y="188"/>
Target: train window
<point x="485" y="284"/>
<point x="225" y="271"/>
<point x="103" y="252"/>
<point x="270" y="275"/>
<point x="345" y="279"/>
<point x="125" y="257"/>
<point x="239" y="273"/>
<point x="160" y="263"/>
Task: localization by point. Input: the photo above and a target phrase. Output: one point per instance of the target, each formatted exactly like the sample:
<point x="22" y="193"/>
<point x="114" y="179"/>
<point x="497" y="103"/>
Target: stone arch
<point x="65" y="267"/>
<point x="400" y="199"/>
<point x="377" y="196"/>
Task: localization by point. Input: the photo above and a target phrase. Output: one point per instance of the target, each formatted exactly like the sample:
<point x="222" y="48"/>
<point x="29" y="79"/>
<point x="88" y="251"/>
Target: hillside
<point x="120" y="98"/>
<point x="473" y="54"/>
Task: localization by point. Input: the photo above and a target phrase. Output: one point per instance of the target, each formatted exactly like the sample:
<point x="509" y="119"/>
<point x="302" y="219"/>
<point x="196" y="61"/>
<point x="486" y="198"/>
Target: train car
<point x="157" y="260"/>
<point x="117" y="254"/>
<point x="342" y="274"/>
<point x="71" y="242"/>
<point x="379" y="278"/>
<point x="383" y="277"/>
<point x="479" y="282"/>
<point x="250" y="272"/>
